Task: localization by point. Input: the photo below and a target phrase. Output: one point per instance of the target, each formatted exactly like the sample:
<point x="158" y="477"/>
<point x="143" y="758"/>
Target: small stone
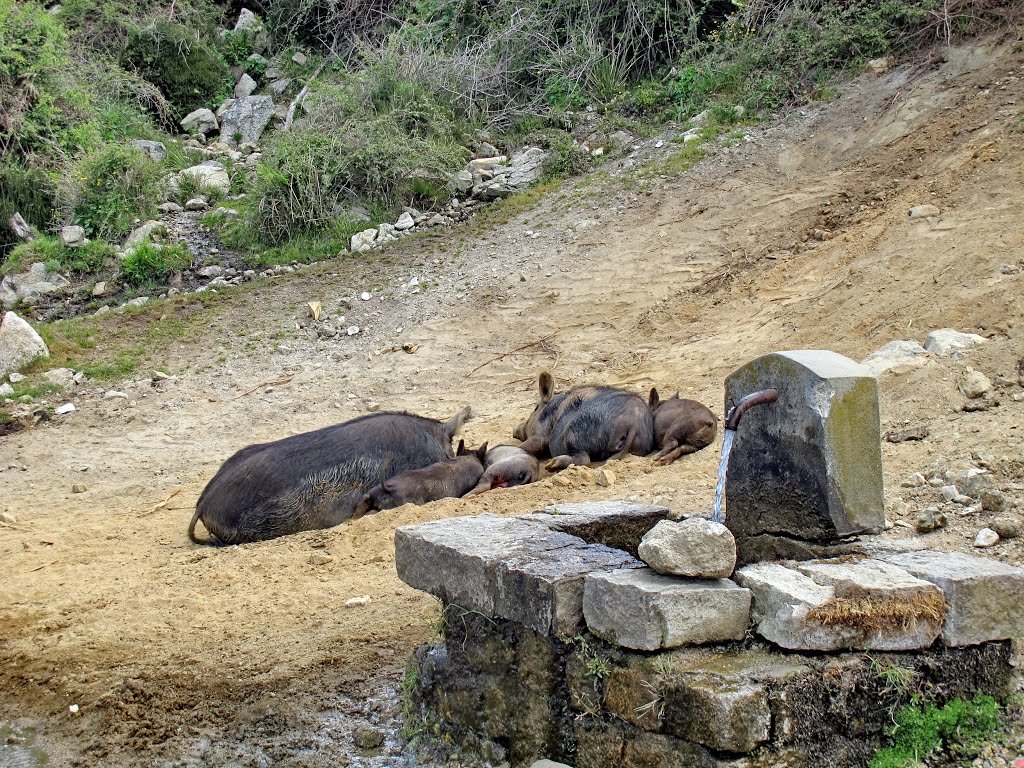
<point x="200" y="121"/>
<point x="605" y="477"/>
<point x="79" y="488"/>
<point x="923" y="211"/>
<point x="930" y="520"/>
<point x="694" y="547"/>
<point x="197" y="204"/>
<point x="72" y="236"/>
<point x="975" y="384"/>
<point x="213" y="270"/>
<point x="405" y="221"/>
<point x="102" y="288"/>
<point x="155" y="150"/>
<point x="114" y="394"/>
<point x="365" y="296"/>
<point x="1007" y="527"/>
<point x="993" y="500"/>
<point x="19" y="343"/>
<point x="352" y="330"/>
<point x="169" y="207"/>
<point x="319" y="558"/>
<point x="6" y="390"/>
<point x="244" y="87"/>
<point x="7" y="517"/>
<point x="945" y="342"/>
<point x="367" y="737"/>
<point x="363" y="241"/>
<point x="949" y="492"/>
<point x="986" y="538"/>
<point x="66" y="408"/>
<point x="355" y="602"/>
<point x="299" y="58"/>
<point x="896" y="356"/>
<point x="73" y="709"/>
<point x="16" y="378"/>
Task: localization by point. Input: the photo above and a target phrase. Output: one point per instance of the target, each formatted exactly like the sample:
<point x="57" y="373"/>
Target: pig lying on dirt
<point x="680" y="426"/>
<point x="505" y="466"/>
<point x="316" y="479"/>
<point x="586" y="424"/>
<point x="443" y="480"/>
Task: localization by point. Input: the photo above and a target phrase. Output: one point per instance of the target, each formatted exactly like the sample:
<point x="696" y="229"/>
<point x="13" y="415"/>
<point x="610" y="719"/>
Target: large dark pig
<point x="443" y="480"/>
<point x="586" y="424"/>
<point x="316" y="479"/>
<point x="505" y="466"/>
<point x="680" y="426"/>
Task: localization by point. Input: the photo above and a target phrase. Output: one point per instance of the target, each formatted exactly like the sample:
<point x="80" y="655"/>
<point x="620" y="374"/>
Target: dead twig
<point x="161" y="504"/>
<point x="511" y="352"/>
<point x="44" y="565"/>
<point x="262" y="384"/>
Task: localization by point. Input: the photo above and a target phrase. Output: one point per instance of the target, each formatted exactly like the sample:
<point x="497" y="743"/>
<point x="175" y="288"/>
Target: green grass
<point x="959" y="727"/>
<point x="87" y="259"/>
<point x="151" y="264"/>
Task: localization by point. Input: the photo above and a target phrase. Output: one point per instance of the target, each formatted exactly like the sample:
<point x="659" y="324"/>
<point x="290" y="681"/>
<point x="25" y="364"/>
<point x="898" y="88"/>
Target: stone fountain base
<point x="559" y="643"/>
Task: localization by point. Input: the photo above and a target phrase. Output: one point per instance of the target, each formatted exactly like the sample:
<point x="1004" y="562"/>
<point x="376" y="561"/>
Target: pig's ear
<point x="653" y="400"/>
<point x="481" y="452"/>
<point x="547" y="387"/>
<point x="461" y="450"/>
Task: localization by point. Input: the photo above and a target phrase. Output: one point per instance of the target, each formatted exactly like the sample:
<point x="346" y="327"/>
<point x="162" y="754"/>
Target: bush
<point x="109" y="188"/>
<point x="87" y="259"/>
<point x="183" y="64"/>
<point x="29" y="192"/>
<point x="150" y="264"/>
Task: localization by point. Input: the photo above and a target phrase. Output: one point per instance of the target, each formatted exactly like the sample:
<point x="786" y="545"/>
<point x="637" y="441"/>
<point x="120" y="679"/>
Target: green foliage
<point x="959" y="727"/>
<point x="237" y="46"/>
<point x="184" y="64"/>
<point x="109" y="188"/>
<point x="87" y="259"/>
<point x="31" y="193"/>
<point x="149" y="263"/>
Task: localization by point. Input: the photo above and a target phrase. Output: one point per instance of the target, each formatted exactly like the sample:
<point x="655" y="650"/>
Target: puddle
<point x="18" y="747"/>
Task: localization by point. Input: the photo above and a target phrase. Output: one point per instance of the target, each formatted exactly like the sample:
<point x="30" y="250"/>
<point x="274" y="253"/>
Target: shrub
<point x="84" y="260"/>
<point x="183" y="64"/>
<point x="109" y="188"/>
<point x="150" y="263"/>
<point x="29" y="192"/>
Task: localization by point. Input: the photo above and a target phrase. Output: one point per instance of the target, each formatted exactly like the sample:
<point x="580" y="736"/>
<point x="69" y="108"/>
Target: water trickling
<point x="723" y="468"/>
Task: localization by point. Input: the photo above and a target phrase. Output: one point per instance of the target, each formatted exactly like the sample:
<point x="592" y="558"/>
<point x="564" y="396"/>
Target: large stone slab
<point x="843" y="606"/>
<point x="243" y="122"/>
<point x="618" y="524"/>
<point x="646" y="611"/>
<point x="808" y="466"/>
<point x="985" y="597"/>
<point x="508" y="568"/>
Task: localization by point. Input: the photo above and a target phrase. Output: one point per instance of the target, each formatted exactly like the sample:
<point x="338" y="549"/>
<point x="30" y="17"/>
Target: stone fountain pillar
<point x="805" y="472"/>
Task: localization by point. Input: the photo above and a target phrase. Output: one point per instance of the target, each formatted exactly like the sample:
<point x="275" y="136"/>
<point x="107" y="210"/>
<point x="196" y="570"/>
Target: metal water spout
<point x="732" y="419"/>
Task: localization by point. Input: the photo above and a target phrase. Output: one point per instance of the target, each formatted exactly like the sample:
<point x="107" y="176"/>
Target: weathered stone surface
<point x="985" y="597"/>
<point x="244" y="87"/>
<point x="946" y="342"/>
<point x="644" y="610"/>
<point x="974" y="384"/>
<point x="199" y="121"/>
<point x="244" y="121"/>
<point x="210" y="174"/>
<point x="923" y="211"/>
<point x="405" y="221"/>
<point x="486" y="163"/>
<point x="832" y="606"/>
<point x="732" y="716"/>
<point x="808" y="466"/>
<point x="155" y="150"/>
<point x="462" y="182"/>
<point x="363" y="241"/>
<point x="72" y="236"/>
<point x="19" y="344"/>
<point x="247" y="21"/>
<point x="757" y="549"/>
<point x="527" y="167"/>
<point x="616" y="524"/>
<point x="694" y="547"/>
<point x="30" y="286"/>
<point x="896" y="356"/>
<point x="144" y="231"/>
<point x="507" y="568"/>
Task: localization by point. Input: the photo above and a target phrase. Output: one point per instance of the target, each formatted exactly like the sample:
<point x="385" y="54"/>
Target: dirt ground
<point x="178" y="655"/>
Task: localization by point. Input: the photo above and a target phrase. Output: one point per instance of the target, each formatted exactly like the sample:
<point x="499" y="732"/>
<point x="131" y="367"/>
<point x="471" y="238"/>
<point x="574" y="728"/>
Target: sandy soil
<point x="181" y="655"/>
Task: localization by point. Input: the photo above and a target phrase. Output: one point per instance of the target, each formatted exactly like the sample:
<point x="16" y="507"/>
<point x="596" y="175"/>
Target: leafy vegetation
<point x="150" y="263"/>
<point x="959" y="727"/>
<point x="110" y="188"/>
<point x="87" y="259"/>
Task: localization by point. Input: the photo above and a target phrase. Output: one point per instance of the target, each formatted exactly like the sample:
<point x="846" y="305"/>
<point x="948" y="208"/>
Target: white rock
<point x="352" y="330"/>
<point x="6" y="390"/>
<point x="405" y="221"/>
<point x="197" y="204"/>
<point x="38" y="281"/>
<point x="363" y="241"/>
<point x="486" y="163"/>
<point x="896" y="356"/>
<point x="19" y="344"/>
<point x="354" y="602"/>
<point x="66" y="408"/>
<point x="60" y="377"/>
<point x="247" y="21"/>
<point x="115" y="394"/>
<point x="975" y="384"/>
<point x="986" y="538"/>
<point x="247" y="117"/>
<point x="694" y="547"/>
<point x="209" y="174"/>
<point x="169" y="207"/>
<point x="945" y="341"/>
<point x="16" y="378"/>
<point x="72" y="236"/>
<point x="365" y="296"/>
<point x="923" y="211"/>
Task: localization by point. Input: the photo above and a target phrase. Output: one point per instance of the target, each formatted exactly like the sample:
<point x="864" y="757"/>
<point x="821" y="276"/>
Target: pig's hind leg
<point x="567" y="460"/>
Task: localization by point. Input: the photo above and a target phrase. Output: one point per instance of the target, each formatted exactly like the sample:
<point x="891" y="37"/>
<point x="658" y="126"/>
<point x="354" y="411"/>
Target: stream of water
<point x="723" y="468"/>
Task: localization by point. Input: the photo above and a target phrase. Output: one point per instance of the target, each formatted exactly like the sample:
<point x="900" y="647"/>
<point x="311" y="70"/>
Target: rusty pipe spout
<point x="732" y="419"/>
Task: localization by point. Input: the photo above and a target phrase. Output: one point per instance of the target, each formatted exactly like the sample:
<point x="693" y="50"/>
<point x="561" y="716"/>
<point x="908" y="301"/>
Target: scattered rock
<point x="148" y="230"/>
<point x="16" y="378"/>
<point x="247" y="21"/>
<point x="299" y="58"/>
<point x="986" y="538"/>
<point x="928" y="520"/>
<point x="992" y="500"/>
<point x="879" y="66"/>
<point x="201" y="121"/>
<point x="319" y="558"/>
<point x="945" y="341"/>
<point x="79" y="488"/>
<point x="355" y="602"/>
<point x="352" y="330"/>
<point x="605" y="477"/>
<point x="60" y="377"/>
<point x="906" y="435"/>
<point x="72" y="236"/>
<point x="115" y="394"/>
<point x="28" y="286"/>
<point x="365" y="296"/>
<point x="693" y="547"/>
<point x="367" y="737"/>
<point x="245" y="120"/>
<point x="6" y="390"/>
<point x="975" y="384"/>
<point x="210" y="174"/>
<point x="19" y="344"/>
<point x="363" y="241"/>
<point x="7" y="517"/>
<point x="197" y="204"/>
<point x="155" y="150"/>
<point x="66" y="408"/>
<point x="169" y="207"/>
<point x="405" y="221"/>
<point x="244" y="87"/>
<point x="923" y="211"/>
<point x="896" y="356"/>
<point x="1007" y="527"/>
